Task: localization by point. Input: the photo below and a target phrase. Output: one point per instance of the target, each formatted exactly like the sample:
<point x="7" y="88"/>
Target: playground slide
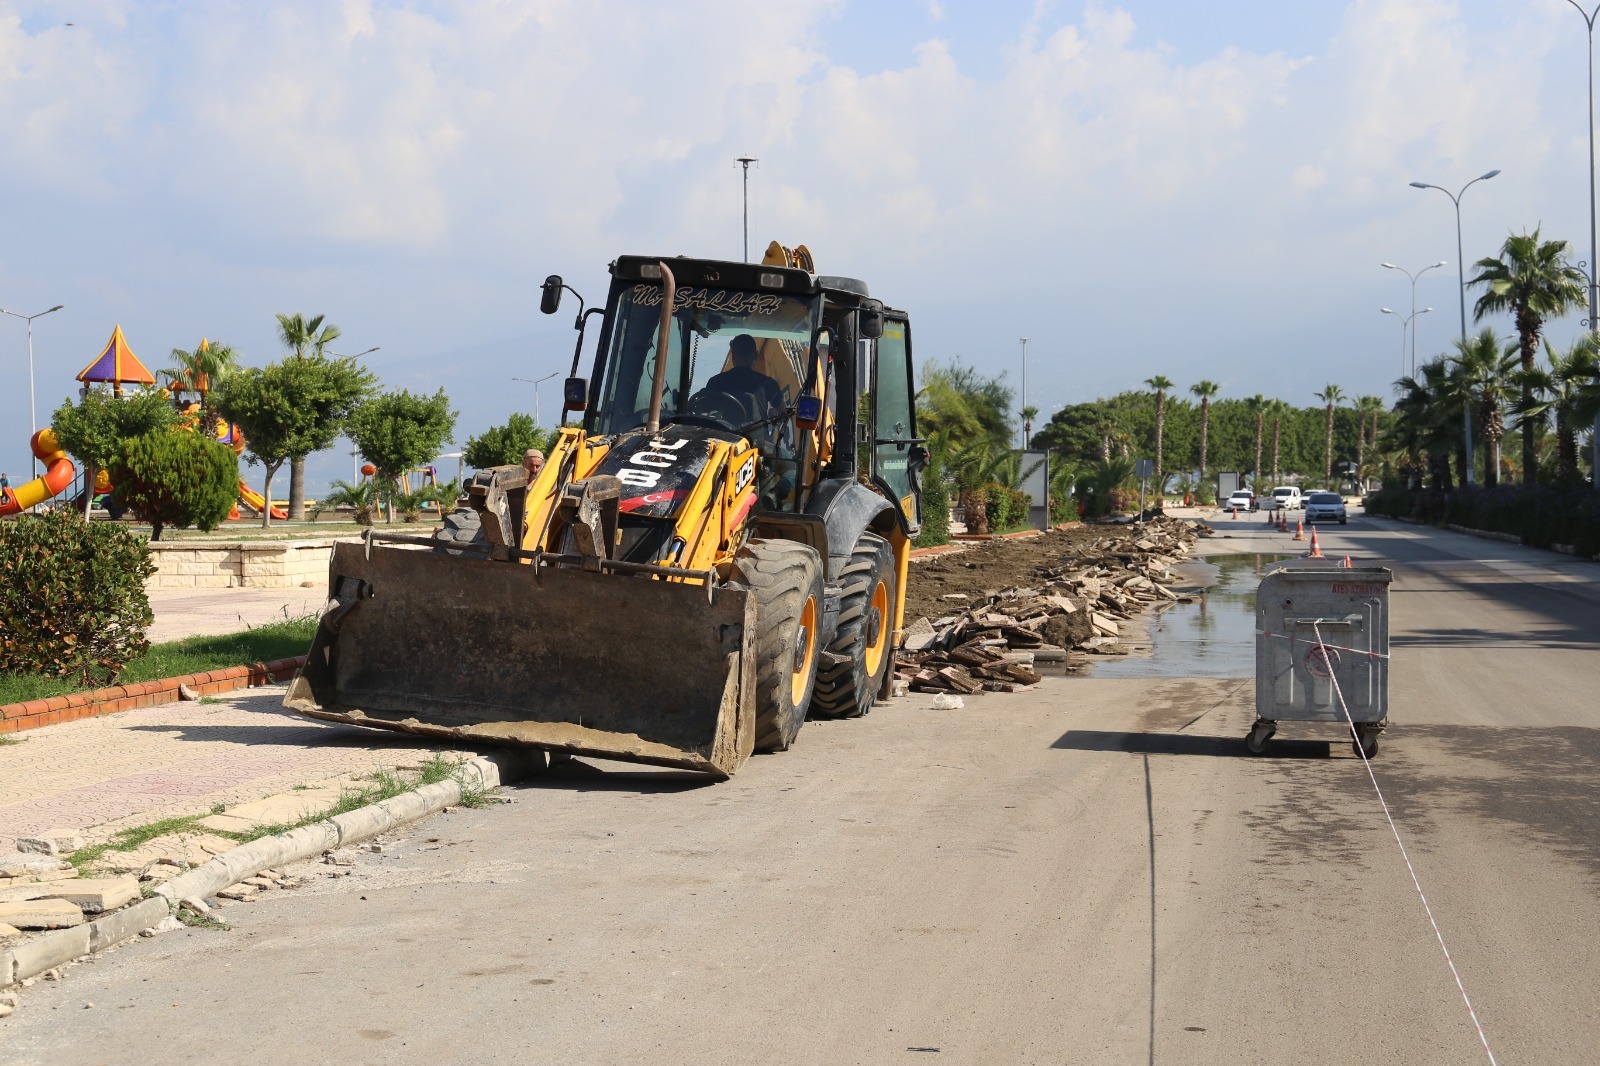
<point x="57" y="477"/>
<point x="258" y="501"/>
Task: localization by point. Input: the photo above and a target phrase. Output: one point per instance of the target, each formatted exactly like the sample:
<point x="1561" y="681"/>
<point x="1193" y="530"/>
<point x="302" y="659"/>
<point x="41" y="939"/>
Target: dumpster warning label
<point x="1322" y="661"/>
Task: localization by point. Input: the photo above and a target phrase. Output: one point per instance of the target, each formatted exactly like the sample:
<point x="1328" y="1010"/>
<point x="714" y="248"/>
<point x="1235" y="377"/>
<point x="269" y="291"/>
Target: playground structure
<point x="117" y="366"/>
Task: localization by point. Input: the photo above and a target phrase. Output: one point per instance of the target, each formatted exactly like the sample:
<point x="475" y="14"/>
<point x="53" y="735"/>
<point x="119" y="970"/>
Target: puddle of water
<point x="1214" y="636"/>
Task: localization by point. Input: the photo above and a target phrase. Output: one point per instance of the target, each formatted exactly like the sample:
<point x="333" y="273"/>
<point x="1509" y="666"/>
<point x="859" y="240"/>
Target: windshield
<point x="734" y="359"/>
<point x="1283" y="492"/>
<point x="1326" y="497"/>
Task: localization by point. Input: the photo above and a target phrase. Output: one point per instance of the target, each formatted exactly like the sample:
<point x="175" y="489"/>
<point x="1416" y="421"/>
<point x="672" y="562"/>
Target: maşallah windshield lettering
<point x="725" y="300"/>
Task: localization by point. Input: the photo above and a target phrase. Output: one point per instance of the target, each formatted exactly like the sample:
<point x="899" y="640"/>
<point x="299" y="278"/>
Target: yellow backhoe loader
<point x="716" y="553"/>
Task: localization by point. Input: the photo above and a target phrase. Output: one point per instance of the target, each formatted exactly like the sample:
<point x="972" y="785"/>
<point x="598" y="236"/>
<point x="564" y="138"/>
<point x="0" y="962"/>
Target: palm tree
<point x="1276" y="409"/>
<point x="1107" y="428"/>
<point x="1332" y="396"/>
<point x="302" y="336"/>
<point x="1028" y="413"/>
<point x="1205" y="390"/>
<point x="1161" y="384"/>
<point x="1532" y="280"/>
<point x="1366" y="405"/>
<point x="1482" y="380"/>
<point x="1427" y="420"/>
<point x="1257" y="406"/>
<point x="1565" y="393"/>
<point x="197" y="371"/>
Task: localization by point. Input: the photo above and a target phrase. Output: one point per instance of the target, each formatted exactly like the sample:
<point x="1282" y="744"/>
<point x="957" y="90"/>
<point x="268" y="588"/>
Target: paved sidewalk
<point x="213" y="612"/>
<point x="102" y="774"/>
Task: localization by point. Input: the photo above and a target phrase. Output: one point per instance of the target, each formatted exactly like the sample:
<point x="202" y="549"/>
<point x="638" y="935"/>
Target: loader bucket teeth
<point x="563" y="659"/>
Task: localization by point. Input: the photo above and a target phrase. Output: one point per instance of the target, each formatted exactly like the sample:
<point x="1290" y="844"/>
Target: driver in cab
<point x="743" y="379"/>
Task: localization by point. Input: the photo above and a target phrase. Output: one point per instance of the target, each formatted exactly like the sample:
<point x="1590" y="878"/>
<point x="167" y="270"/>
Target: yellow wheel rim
<point x="878" y="615"/>
<point x="805" y="651"/>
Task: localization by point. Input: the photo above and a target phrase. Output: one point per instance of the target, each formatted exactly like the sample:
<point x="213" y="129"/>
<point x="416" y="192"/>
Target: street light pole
<point x="1024" y="389"/>
<point x="535" y="383"/>
<point x="1594" y="250"/>
<point x="1461" y="274"/>
<point x="745" y="161"/>
<point x="1414" y="312"/>
<point x="1406" y="324"/>
<point x="33" y="417"/>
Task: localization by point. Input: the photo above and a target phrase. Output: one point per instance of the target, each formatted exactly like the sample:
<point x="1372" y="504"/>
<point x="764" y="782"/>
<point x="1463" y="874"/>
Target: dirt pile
<point x="1075" y="590"/>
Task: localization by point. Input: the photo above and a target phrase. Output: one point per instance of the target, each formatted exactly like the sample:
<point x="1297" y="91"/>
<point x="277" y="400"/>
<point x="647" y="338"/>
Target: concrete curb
<point x="64" y="945"/>
<point x="15" y="717"/>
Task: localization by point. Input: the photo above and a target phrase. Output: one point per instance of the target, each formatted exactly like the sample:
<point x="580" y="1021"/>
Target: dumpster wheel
<point x="1259" y="736"/>
<point x="1366" y="742"/>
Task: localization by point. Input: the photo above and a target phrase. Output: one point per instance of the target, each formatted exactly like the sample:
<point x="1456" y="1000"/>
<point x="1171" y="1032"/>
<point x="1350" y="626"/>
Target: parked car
<point x="1243" y="500"/>
<point x="1287" y="497"/>
<point x="1325" y="507"/>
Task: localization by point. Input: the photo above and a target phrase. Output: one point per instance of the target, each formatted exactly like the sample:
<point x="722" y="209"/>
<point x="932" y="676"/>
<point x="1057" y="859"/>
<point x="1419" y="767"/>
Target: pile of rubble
<point x="41" y="891"/>
<point x="998" y="636"/>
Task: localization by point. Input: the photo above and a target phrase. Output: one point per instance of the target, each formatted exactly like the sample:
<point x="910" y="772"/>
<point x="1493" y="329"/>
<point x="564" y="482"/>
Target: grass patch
<point x="384" y="784"/>
<point x="130" y="839"/>
<point x="201" y="921"/>
<point x="7" y="738"/>
<point x="274" y="640"/>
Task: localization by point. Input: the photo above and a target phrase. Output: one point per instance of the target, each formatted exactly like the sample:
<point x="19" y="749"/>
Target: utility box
<point x="1322" y="632"/>
<point x="1036" y="483"/>
<point x="1228" y="483"/>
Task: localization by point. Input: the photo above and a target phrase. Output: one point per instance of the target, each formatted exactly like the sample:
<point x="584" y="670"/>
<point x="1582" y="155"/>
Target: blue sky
<point x="1195" y="190"/>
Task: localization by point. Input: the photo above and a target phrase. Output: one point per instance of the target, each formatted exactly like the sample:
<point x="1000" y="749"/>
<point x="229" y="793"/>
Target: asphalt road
<point x="1091" y="872"/>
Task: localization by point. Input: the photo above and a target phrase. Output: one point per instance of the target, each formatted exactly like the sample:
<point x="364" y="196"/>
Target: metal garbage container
<point x="1295" y="674"/>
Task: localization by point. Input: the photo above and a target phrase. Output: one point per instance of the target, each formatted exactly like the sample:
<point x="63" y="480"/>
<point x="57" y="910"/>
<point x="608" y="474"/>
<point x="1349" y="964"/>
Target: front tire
<point x="461" y="526"/>
<point x="786" y="579"/>
<point x="861" y="650"/>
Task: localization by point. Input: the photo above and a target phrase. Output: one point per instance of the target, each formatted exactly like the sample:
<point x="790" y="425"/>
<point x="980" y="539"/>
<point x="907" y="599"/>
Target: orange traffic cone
<point x="1316" y="549"/>
<point x="1235" y="511"/>
<point x="1348" y="565"/>
<point x="1300" y="531"/>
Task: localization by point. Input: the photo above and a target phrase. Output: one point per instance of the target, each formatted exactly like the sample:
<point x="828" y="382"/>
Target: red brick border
<point x="15" y="717"/>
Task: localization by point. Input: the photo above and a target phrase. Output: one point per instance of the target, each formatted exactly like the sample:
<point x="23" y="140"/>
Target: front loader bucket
<point x="621" y="667"/>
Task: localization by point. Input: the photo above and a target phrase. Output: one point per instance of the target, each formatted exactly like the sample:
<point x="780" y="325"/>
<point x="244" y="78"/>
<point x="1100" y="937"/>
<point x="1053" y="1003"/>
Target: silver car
<point x="1326" y="507"/>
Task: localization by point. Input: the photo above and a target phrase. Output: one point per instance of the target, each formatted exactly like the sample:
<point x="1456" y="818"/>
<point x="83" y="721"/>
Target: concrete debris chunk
<point x="9" y="930"/>
<point x="94" y="895"/>
<point x="41" y="914"/>
<point x="946" y="702"/>
<point x="21" y="869"/>
<point x="55" y="842"/>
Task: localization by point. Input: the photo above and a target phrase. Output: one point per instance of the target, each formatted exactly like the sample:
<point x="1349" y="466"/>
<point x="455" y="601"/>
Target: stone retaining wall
<point x="240" y="564"/>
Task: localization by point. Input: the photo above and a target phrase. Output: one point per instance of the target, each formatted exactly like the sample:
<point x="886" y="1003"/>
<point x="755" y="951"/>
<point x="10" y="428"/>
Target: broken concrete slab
<point x="41" y="914"/>
<point x="287" y="809"/>
<point x="94" y="895"/>
<point x="23" y="869"/>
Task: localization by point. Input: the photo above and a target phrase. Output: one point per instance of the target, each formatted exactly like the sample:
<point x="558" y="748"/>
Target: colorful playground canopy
<point x="117" y="365"/>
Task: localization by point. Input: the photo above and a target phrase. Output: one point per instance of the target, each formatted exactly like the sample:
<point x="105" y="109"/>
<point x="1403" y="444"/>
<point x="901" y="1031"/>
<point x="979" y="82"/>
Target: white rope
<point x="1356" y="737"/>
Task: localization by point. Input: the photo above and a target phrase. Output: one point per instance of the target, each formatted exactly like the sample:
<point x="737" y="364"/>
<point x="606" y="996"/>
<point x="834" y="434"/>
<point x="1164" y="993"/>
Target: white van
<point x="1287" y="497"/>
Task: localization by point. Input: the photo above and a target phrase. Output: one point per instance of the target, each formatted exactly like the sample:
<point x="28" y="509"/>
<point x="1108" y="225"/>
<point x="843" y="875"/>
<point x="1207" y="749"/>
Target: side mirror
<point x="575" y="394"/>
<point x="808" y="412"/>
<point x="550" y="294"/>
<point x="871" y="319"/>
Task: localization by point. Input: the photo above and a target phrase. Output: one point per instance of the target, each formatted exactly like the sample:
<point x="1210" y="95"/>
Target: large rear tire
<point x="461" y="526"/>
<point x="785" y="577"/>
<point x="860" y="653"/>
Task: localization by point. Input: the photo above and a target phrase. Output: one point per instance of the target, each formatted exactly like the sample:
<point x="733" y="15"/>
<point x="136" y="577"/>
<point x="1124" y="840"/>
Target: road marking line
<point x="1356" y="738"/>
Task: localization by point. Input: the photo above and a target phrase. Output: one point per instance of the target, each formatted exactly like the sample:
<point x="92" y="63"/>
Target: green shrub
<point x="176" y="479"/>
<point x="505" y="445"/>
<point x="1007" y="508"/>
<point x="72" y="599"/>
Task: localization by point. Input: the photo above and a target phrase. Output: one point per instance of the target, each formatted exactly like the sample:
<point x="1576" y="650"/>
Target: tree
<point x="1532" y="280"/>
<point x="1205" y="390"/>
<point x="505" y="445"/>
<point x="1366" y="405"/>
<point x="1566" y="394"/>
<point x="176" y="479"/>
<point x="291" y="408"/>
<point x="1276" y="409"/>
<point x="303" y="337"/>
<point x="197" y="371"/>
<point x="1161" y="384"/>
<point x="1333" y="395"/>
<point x="1257" y="406"/>
<point x="1481" y="378"/>
<point x="1028" y="413"/>
<point x="94" y="430"/>
<point x="397" y="431"/>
